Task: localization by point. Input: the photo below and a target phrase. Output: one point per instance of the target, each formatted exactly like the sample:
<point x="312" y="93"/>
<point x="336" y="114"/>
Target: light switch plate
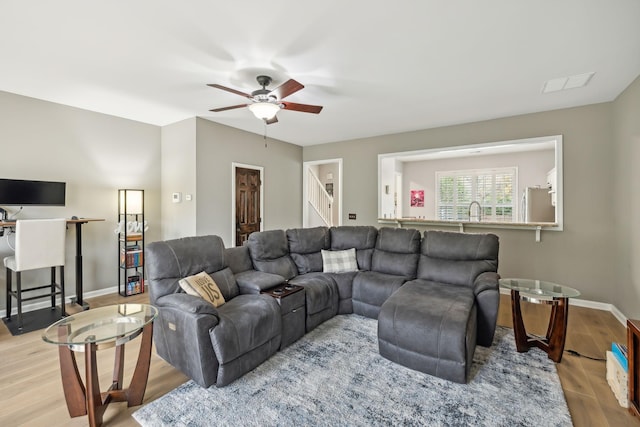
<point x="176" y="197"/>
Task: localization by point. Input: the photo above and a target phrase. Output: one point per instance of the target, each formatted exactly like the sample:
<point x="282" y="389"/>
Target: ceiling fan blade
<point x="305" y="108"/>
<point x="217" y="110"/>
<point x="228" y="89"/>
<point x="272" y="120"/>
<point x="287" y="88"/>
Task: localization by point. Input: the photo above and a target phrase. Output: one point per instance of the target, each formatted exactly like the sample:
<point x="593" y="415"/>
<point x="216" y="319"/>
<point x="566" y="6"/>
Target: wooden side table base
<point x="553" y="342"/>
<point x="91" y="401"/>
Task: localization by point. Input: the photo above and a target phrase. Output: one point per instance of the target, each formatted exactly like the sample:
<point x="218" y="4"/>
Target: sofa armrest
<point x="181" y="335"/>
<point x="485" y="281"/>
<point x="187" y="303"/>
<point x="487" y="293"/>
<point x="254" y="281"/>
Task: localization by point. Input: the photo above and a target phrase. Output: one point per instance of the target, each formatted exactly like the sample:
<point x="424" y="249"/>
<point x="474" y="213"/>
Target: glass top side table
<point x="541" y="292"/>
<point x="98" y="329"/>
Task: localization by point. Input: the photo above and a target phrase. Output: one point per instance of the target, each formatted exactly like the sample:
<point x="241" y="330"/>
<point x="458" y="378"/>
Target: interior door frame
<point x="234" y="166"/>
<point x="305" y="205"/>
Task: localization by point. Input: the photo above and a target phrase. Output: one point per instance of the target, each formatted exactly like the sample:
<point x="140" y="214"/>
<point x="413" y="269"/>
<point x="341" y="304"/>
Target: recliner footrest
<point x="430" y="328"/>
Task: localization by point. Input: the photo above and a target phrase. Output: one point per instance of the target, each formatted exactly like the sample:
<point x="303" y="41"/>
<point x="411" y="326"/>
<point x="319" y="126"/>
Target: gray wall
<point x="625" y="273"/>
<point x="218" y="147"/>
<point x="179" y="176"/>
<point x="582" y="256"/>
<point x="95" y="154"/>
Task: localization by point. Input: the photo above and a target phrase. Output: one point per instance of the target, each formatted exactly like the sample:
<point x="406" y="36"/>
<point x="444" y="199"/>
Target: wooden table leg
<point x="118" y="369"/>
<point x="90" y="401"/>
<point x="135" y="392"/>
<point x="74" y="391"/>
<point x="522" y="341"/>
<point x="95" y="406"/>
<point x="557" y="332"/>
<point x="553" y="342"/>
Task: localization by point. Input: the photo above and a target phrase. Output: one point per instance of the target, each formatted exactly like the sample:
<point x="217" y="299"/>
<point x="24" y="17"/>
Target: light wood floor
<point x="31" y="391"/>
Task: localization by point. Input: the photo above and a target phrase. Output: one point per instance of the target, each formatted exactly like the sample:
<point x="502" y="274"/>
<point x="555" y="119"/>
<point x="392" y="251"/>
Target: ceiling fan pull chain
<point x="265" y="133"/>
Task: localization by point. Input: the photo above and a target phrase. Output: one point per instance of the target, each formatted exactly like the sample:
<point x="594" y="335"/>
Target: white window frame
<point x="474" y="173"/>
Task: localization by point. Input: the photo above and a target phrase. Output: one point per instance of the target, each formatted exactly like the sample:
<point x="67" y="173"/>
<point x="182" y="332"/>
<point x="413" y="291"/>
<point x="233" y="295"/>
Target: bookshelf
<point x="131" y="229"/>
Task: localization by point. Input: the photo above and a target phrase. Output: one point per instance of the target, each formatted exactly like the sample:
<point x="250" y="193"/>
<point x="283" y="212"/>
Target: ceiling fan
<point x="266" y="103"/>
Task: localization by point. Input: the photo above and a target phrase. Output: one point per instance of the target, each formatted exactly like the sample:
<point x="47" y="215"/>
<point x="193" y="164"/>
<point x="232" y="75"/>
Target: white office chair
<point x="39" y="243"/>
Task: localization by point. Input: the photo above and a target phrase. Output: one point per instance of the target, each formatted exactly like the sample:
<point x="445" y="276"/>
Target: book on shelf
<point x="135" y="285"/>
<point x="133" y="237"/>
<point x="131" y="256"/>
<point x="621" y="354"/>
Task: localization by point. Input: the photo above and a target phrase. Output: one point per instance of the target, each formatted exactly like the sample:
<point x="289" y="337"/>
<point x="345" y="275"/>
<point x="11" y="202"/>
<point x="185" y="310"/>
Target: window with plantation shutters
<point x="493" y="189"/>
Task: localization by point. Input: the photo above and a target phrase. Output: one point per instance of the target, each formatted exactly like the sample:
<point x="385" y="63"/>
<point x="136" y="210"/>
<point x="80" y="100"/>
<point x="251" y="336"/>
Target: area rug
<point x="334" y="376"/>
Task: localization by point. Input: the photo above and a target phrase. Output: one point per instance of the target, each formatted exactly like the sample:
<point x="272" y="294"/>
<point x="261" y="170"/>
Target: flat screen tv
<point x="20" y="192"/>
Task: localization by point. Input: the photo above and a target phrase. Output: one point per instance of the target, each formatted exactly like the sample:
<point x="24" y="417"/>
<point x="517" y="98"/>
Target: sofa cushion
<point x="169" y="261"/>
<point x="397" y="252"/>
<point x="430" y="328"/>
<point x="305" y="245"/>
<point x="457" y="258"/>
<point x="270" y="253"/>
<point x="321" y="297"/>
<point x="371" y="289"/>
<point x="249" y="332"/>
<point x="203" y="286"/>
<point x="339" y="261"/>
<point x="238" y="259"/>
<point x="362" y="238"/>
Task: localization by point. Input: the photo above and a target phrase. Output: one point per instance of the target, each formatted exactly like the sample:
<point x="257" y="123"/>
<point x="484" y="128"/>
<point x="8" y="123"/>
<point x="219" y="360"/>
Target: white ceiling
<point x="377" y="67"/>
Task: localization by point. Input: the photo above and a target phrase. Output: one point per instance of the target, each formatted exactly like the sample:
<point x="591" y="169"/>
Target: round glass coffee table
<point x="98" y="329"/>
<point x="541" y="292"/>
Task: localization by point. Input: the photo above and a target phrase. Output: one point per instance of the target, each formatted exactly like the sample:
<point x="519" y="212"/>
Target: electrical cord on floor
<point x="575" y="353"/>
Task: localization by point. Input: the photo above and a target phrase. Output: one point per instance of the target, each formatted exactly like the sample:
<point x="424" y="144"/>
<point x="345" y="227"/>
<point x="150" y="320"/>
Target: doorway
<point x="322" y="193"/>
<point x="247" y="204"/>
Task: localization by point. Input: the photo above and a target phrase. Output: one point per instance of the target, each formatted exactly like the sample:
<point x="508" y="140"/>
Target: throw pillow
<point x="339" y="261"/>
<point x="203" y="286"/>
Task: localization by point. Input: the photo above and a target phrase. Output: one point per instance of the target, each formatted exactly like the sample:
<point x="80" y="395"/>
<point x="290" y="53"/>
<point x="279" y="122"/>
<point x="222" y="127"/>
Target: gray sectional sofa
<point x="435" y="296"/>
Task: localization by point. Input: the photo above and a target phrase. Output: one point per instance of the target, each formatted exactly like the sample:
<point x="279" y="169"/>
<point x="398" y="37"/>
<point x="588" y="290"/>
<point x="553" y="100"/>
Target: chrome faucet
<point x="479" y="210"/>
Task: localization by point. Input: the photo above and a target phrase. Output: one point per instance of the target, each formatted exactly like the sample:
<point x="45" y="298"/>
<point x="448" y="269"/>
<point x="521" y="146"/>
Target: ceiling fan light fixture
<point x="264" y="110"/>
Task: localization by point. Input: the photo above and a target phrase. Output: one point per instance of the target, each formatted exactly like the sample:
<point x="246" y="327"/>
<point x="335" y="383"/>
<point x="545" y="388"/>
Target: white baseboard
<point x="47" y="303"/>
<point x="590" y="304"/>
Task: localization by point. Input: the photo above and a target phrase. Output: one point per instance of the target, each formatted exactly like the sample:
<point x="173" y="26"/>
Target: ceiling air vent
<point x="571" y="82"/>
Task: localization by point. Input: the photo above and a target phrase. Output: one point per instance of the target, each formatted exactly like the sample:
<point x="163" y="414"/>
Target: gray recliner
<point x="362" y="238"/>
<point x="210" y="345"/>
<point x="393" y="262"/>
<point x="469" y="260"/>
<point x="432" y="324"/>
<point x="270" y="253"/>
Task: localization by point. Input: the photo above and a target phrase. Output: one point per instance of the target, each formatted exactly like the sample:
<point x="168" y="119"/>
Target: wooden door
<point x="248" y="216"/>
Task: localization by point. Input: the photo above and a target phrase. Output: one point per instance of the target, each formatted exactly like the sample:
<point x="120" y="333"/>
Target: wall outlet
<point x="352" y="216"/>
<point x="176" y="197"/>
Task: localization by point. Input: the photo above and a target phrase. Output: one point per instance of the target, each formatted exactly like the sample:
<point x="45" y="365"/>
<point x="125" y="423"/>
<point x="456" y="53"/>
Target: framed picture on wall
<point x="417" y="198"/>
<point x="329" y="187"/>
